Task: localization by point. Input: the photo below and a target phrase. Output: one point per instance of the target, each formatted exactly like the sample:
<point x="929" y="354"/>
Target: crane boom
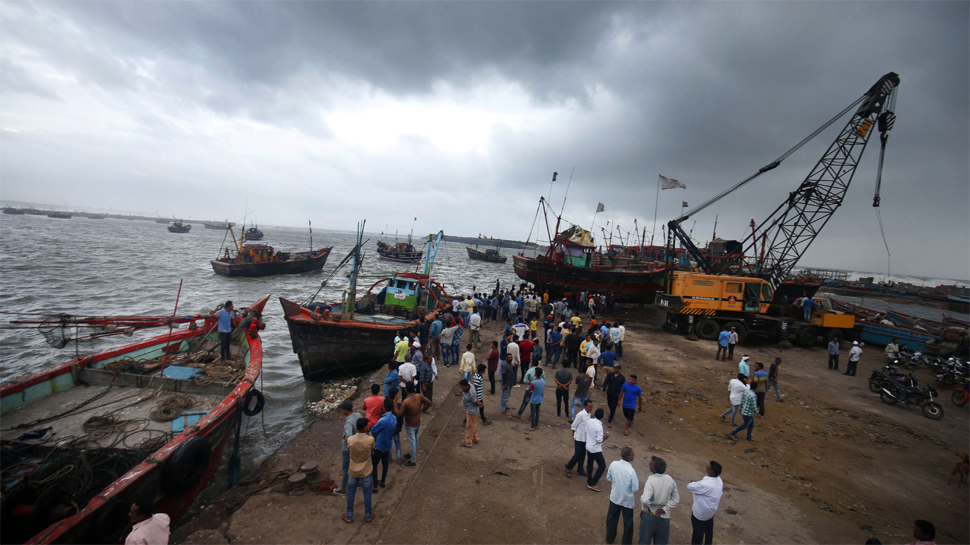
<point x="795" y="224"/>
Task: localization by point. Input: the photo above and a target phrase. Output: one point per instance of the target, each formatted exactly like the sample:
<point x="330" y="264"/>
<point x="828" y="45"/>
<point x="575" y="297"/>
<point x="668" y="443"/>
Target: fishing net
<point x="55" y="332"/>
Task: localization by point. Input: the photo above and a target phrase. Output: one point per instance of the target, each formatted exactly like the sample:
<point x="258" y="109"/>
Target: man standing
<point x="469" y="398"/>
<point x="411" y="409"/>
<point x="383" y="432"/>
<point x="784" y="305"/>
<point x="478" y="381"/>
<point x="526" y="348"/>
<point x="563" y="378"/>
<point x="615" y="338"/>
<point x="401" y="348"/>
<point x="736" y="387"/>
<point x="509" y="376"/>
<point x="372" y="405"/>
<point x="225" y="330"/>
<point x="407" y="372"/>
<point x="749" y="406"/>
<point x="619" y="343"/>
<point x="434" y="343"/>
<point x="834" y="354"/>
<point x="659" y="497"/>
<point x="538" y="389"/>
<point x="722" y="344"/>
<point x="555" y="346"/>
<point x="530" y="375"/>
<point x="149" y="527"/>
<point x="583" y="382"/>
<point x="743" y="366"/>
<point x="475" y="327"/>
<point x="807" y="304"/>
<point x="631" y="398"/>
<point x="492" y="361"/>
<point x="612" y="386"/>
<point x="625" y="486"/>
<point x="607" y="358"/>
<point x="350" y="428"/>
<point x="594" y="450"/>
<point x="854" y="356"/>
<point x="579" y="440"/>
<point x="424" y="331"/>
<point x="512" y="349"/>
<point x="773" y="378"/>
<point x="425" y="372"/>
<point x="732" y="340"/>
<point x="593" y="352"/>
<point x="892" y="350"/>
<point x="707" y="495"/>
<point x="467" y="366"/>
<point x="760" y="386"/>
<point x="361" y="448"/>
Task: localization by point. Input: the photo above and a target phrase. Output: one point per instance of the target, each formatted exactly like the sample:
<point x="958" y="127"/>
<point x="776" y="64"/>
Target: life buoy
<point x="253" y="402"/>
<point x="187" y="464"/>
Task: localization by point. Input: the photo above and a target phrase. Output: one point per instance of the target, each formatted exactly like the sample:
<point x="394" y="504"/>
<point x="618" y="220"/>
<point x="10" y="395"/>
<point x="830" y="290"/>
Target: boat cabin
<point x="256" y="253"/>
<point x="401" y="292"/>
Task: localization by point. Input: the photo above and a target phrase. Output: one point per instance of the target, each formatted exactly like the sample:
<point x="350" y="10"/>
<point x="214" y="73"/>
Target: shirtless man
<point x="413" y="406"/>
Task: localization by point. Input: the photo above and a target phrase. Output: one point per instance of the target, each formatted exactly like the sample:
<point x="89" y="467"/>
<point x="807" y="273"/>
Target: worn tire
<point x="887" y="399"/>
<point x="187" y="465"/>
<point x="932" y="410"/>
<point x="740" y="329"/>
<point x="959" y="398"/>
<point x="874" y="388"/>
<point x="253" y="402"/>
<point x="707" y="329"/>
<point x="806" y="336"/>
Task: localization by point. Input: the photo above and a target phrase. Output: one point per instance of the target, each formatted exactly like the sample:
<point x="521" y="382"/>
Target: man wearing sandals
<point x="469" y="398"/>
<point x="361" y="447"/>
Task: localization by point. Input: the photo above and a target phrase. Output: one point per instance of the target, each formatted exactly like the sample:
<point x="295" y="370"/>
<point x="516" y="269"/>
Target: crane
<point x="797" y="221"/>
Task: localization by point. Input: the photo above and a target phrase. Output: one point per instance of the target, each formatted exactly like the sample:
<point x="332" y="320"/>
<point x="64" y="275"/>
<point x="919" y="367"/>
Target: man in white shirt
<point x="854" y="356"/>
<point x="475" y="325"/>
<point x="593" y="352"/>
<point x="619" y="344"/>
<point x="736" y="387"/>
<point x="707" y="495"/>
<point x="594" y="450"/>
<point x="625" y="486"/>
<point x="406" y="372"/>
<point x="659" y="497"/>
<point x="512" y="349"/>
<point x="579" y="440"/>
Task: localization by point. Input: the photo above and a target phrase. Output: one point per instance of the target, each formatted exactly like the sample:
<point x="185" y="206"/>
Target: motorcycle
<point x="962" y="394"/>
<point x="879" y="379"/>
<point x="895" y="392"/>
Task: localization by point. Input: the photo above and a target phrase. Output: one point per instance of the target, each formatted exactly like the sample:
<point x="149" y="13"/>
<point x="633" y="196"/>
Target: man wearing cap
<point x="225" y="329"/>
<point x="773" y="378"/>
<point x="854" y="356"/>
<point x="743" y="366"/>
<point x="732" y="340"/>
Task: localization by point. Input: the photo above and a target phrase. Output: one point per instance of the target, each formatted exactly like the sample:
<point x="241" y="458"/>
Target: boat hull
<point x="629" y="286"/>
<point x="329" y="348"/>
<point x="482" y="256"/>
<point x="294" y="266"/>
<point x="882" y="335"/>
<point x="108" y="509"/>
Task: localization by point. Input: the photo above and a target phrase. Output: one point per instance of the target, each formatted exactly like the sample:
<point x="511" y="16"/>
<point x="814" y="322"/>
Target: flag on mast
<point x="685" y="204"/>
<point x="600" y="208"/>
<point x="670" y="183"/>
<point x="554" y="174"/>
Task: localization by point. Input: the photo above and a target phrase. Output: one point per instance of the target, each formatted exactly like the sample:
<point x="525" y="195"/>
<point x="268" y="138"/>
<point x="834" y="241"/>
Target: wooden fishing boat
<point x="179" y="227"/>
<point x="950" y="321"/>
<point x="262" y="260"/>
<point x="880" y="334"/>
<point x="908" y="320"/>
<point x="60" y="215"/>
<point x="220" y="225"/>
<point x="490" y="254"/>
<point x="9" y="210"/>
<point x="253" y="233"/>
<point x="357" y="335"/>
<point x="70" y="476"/>
<point x="400" y="252"/>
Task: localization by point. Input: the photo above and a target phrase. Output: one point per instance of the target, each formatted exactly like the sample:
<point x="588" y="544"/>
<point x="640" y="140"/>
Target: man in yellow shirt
<point x="361" y="447"/>
<point x="576" y="320"/>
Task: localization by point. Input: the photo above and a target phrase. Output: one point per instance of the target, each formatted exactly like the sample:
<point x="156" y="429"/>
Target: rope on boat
<point x="172" y="407"/>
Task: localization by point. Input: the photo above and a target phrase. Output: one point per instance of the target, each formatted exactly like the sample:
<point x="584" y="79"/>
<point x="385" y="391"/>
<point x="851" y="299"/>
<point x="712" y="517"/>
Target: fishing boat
<point x="357" y="335"/>
<point x="490" y="254"/>
<point x="9" y="210"/>
<point x="161" y="220"/>
<point x="571" y="264"/>
<point x="95" y="216"/>
<point x="60" y="215"/>
<point x="220" y="225"/>
<point x="908" y="320"/>
<point x="179" y="227"/>
<point x="263" y="260"/>
<point x="400" y="252"/>
<point x="81" y="440"/>
<point x="253" y="233"/>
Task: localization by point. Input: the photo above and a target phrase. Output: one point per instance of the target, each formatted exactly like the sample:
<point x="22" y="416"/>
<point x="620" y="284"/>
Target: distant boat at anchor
<point x="179" y="227"/>
<point x="220" y="225"/>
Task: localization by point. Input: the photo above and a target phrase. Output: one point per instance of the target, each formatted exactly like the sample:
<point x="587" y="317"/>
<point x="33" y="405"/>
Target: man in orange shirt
<point x="373" y="404"/>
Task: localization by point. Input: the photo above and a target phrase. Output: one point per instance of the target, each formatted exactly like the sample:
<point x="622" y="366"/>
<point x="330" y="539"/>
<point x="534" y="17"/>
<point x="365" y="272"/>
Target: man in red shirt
<point x="372" y="405"/>
<point x="525" y="351"/>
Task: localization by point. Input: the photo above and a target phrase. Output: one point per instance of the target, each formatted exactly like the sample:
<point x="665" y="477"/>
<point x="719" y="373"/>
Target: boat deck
<point x="380" y="318"/>
<point x="124" y="408"/>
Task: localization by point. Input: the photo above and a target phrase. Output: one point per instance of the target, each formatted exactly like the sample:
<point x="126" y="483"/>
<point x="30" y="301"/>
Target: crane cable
<point x="887" y="119"/>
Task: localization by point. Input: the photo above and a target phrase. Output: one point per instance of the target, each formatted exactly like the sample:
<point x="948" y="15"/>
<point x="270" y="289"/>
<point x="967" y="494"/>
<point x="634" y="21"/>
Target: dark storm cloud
<point x="703" y="92"/>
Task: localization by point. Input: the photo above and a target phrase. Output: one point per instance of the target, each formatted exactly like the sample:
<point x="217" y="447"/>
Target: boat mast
<point x="352" y="292"/>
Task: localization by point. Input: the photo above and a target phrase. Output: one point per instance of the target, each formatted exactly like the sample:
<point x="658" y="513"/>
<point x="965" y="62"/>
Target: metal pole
<point x="656" y="203"/>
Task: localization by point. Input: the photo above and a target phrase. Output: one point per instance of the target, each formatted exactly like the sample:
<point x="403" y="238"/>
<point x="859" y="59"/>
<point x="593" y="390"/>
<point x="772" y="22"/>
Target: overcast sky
<point x="458" y="113"/>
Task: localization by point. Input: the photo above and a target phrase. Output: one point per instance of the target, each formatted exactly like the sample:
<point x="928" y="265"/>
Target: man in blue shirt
<point x="382" y="433"/>
<point x="807" y="305"/>
<point x="607" y="358"/>
<point x="631" y="399"/>
<point x="538" y="388"/>
<point x="722" y="344"/>
<point x="555" y="347"/>
<point x="225" y="329"/>
<point x="434" y="346"/>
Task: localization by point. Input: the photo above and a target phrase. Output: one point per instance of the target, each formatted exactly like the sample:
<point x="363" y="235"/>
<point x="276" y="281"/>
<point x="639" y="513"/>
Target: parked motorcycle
<point x="879" y="379"/>
<point x="895" y="392"/>
<point x="962" y="394"/>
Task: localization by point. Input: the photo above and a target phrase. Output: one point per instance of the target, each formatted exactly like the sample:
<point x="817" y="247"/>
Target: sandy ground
<point x="832" y="464"/>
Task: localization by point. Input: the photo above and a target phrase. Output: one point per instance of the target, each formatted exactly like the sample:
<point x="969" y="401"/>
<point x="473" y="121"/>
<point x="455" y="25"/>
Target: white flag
<point x="670" y="183"/>
<point x="600" y="208"/>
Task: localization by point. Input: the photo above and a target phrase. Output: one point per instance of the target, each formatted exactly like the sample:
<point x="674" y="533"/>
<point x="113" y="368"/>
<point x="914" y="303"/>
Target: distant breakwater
<point x="488" y="242"/>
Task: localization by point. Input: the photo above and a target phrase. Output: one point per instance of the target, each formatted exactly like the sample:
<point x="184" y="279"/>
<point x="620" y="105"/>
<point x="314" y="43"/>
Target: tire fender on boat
<point x="187" y="464"/>
<point x="253" y="402"/>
